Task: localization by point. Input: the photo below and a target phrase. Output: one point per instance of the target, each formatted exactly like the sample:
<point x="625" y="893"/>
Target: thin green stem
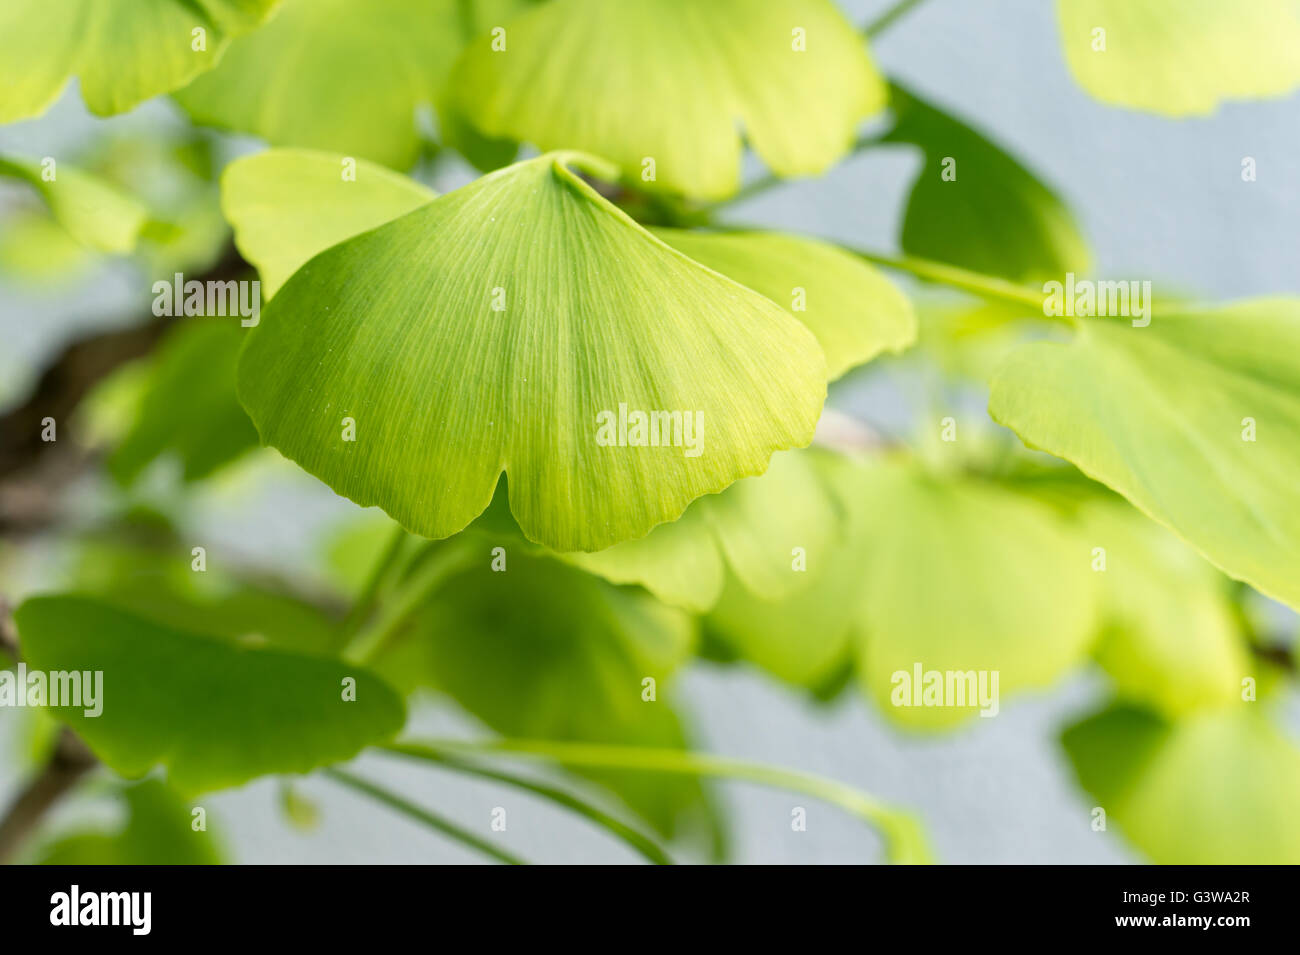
<point x="985" y="286"/>
<point x="640" y="843"/>
<point x="904" y="840"/>
<point x="765" y="182"/>
<point x="883" y="22"/>
<point x="444" y="560"/>
<point x="365" y="602"/>
<point x="422" y="815"/>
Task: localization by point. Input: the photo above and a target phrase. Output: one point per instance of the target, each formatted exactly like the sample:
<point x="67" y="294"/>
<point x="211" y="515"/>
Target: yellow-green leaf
<point x="676" y="82"/>
<point x="1195" y="418"/>
<point x="96" y="213"/>
<point x="515" y="325"/>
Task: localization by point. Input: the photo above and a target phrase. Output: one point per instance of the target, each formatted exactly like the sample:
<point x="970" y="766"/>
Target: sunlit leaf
<point x="975" y="206"/>
<point x="676" y="82"/>
<point x="215" y="712"/>
<point x="461" y="343"/>
<point x="1216" y="788"/>
<point x="544" y="650"/>
<point x="94" y="212"/>
<point x="189" y="408"/>
<point x="287" y="205"/>
<point x="158" y="831"/>
<point x="1170" y="639"/>
<point x="1181" y="57"/>
<point x="124" y="51"/>
<point x="855" y="312"/>
<point x="1195" y="418"/>
<point x="376" y="64"/>
<point x="961" y="577"/>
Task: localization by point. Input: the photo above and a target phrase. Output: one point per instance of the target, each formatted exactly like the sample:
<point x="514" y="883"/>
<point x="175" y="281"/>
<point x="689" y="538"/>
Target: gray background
<point x="1159" y="199"/>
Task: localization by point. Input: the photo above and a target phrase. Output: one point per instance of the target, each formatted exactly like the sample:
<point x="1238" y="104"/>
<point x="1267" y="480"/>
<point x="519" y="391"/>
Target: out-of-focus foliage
<point x="1194" y="418"/>
<point x="1181" y="57"/>
<point x="158" y="831"/>
<point x="123" y="51"/>
<point x="216" y="712"/>
<point x="674" y="81"/>
<point x="94" y="212"/>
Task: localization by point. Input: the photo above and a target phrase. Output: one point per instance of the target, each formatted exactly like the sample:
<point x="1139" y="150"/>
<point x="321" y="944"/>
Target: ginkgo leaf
<point x="96" y="213"/>
<point x="975" y="206"/>
<point x="523" y="324"/>
<point x="124" y="51"/>
<point x="1195" y="418"/>
<point x="1169" y="638"/>
<point x="574" y="658"/>
<point x="1218" y="787"/>
<point x="964" y="579"/>
<point x="286" y="205"/>
<point x="660" y="87"/>
<point x="375" y="63"/>
<point x="1181" y="57"/>
<point x="215" y="712"/>
<point x="855" y="312"/>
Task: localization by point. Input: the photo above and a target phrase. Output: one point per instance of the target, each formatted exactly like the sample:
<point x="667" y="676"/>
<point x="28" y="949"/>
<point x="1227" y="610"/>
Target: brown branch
<point x="69" y="762"/>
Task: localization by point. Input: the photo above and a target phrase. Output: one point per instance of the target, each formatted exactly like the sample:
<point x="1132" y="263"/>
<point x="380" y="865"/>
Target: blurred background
<point x="1157" y="198"/>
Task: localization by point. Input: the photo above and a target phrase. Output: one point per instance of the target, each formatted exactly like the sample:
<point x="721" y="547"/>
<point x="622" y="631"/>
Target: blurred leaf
<point x="990" y="214"/>
<point x="1218" y="788"/>
<point x="1181" y="57"/>
<point x="303" y="814"/>
<point x="34" y="248"/>
<point x="217" y="713"/>
<point x="94" y="212"/>
<point x="189" y="408"/>
<point x="1170" y="640"/>
<point x="287" y="205"/>
<point x="545" y="650"/>
<point x="674" y="80"/>
<point x="855" y="312"/>
<point x="960" y="576"/>
<point x="400" y="320"/>
<point x="1160" y="414"/>
<point x="158" y="831"/>
<point x="124" y="51"/>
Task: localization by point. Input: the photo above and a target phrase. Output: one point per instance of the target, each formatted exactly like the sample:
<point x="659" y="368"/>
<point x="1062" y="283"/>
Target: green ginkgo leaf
<point x="1181" y="57"/>
<point x="375" y="63"/>
<point x="1195" y="418"/>
<point x="855" y="312"/>
<point x="215" y="712"/>
<point x="573" y="658"/>
<point x="287" y="205"/>
<point x="96" y="213"/>
<point x="523" y="324"/>
<point x="1169" y="638"/>
<point x="124" y="51"/>
<point x="976" y="206"/>
<point x="965" y="579"/>
<point x="1219" y="787"/>
<point x="663" y="88"/>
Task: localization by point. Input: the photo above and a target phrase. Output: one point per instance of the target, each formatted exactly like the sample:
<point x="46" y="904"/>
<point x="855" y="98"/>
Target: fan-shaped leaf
<point x="375" y="63"/>
<point x="1217" y="788"/>
<point x="522" y="324"/>
<point x="215" y="712"/>
<point x="125" y="51"/>
<point x="670" y="81"/>
<point x="94" y="212"/>
<point x="1181" y="57"/>
<point x="1195" y="418"/>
